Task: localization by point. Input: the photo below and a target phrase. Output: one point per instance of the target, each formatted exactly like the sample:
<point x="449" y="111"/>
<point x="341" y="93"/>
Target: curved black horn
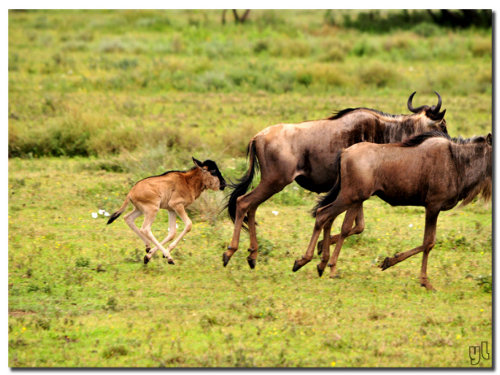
<point x="410" y="106"/>
<point x="438" y="106"/>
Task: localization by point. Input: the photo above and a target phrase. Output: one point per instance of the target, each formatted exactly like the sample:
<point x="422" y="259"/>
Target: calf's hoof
<point x="225" y="259"/>
<point x="170" y="261"/>
<point x="251" y="262"/>
<point x="146" y="259"/>
<point x="147" y="249"/>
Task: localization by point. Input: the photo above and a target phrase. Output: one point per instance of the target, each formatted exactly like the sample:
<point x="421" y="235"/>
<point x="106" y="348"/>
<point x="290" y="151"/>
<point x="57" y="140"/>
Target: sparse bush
<point x="288" y="47"/>
<point x="481" y="47"/>
<point x="364" y="47"/>
<point x="111" y="46"/>
<point x="378" y="74"/>
<point x="426" y="29"/>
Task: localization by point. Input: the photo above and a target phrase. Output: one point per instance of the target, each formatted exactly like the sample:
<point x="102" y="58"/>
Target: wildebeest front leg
<point x="359" y="226"/>
<point x="429" y="241"/>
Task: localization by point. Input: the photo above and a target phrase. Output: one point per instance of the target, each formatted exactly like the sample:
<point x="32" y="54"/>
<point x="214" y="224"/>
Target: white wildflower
<point x="410" y="226"/>
<point x="106" y="213"/>
<point x="101" y="212"/>
<point x="94" y="215"/>
<point x="275" y="213"/>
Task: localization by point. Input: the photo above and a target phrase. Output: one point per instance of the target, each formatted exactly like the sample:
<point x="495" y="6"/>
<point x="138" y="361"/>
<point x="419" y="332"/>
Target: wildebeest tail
<point x="241" y="186"/>
<point x="116" y="214"/>
<point x="334" y="191"/>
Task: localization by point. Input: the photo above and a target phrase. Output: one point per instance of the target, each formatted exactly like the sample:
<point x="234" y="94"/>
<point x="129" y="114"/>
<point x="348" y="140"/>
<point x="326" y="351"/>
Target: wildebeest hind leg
<point x="350" y="215"/>
<point x="357" y="229"/>
<point x="324" y="216"/>
<point x="245" y="203"/>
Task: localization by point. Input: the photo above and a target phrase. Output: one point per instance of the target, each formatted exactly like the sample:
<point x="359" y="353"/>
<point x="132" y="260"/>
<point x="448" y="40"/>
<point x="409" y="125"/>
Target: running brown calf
<point x="173" y="191"/>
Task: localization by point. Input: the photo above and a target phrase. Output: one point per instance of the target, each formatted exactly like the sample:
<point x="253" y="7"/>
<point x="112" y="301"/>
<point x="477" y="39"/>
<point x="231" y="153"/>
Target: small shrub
<point x="426" y="29"/>
<point x="378" y="75"/>
<point x="328" y="18"/>
<point x="485" y="283"/>
<point x="115" y="351"/>
<point x="213" y="80"/>
<point x="481" y="47"/>
<point x="111" y="304"/>
<point x="261" y="46"/>
<point x="82" y="262"/>
<point x="364" y="47"/>
<point x="43" y="323"/>
<point x="111" y="46"/>
<point x="304" y="78"/>
<point x="126" y="64"/>
<point x="287" y="47"/>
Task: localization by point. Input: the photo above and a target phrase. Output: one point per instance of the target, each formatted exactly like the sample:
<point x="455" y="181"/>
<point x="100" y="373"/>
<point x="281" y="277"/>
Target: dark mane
<point x="475" y="139"/>
<point x="420" y="138"/>
<point x="345" y="111"/>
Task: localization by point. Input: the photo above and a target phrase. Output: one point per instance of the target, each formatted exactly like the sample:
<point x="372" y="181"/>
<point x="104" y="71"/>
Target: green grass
<point x="101" y="99"/>
<point x="79" y="294"/>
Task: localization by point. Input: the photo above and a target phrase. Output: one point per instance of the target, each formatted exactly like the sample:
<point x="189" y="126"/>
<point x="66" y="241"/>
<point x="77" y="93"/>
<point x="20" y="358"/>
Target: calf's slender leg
<point x="428" y="243"/>
<point x="179" y="209"/>
<point x="172" y="230"/>
<point x="149" y="217"/>
<point x="130" y="220"/>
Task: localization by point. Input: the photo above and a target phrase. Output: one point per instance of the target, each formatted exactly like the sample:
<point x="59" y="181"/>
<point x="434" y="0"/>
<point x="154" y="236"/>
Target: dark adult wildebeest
<point x="173" y="191"/>
<point x="305" y="152"/>
<point x="429" y="170"/>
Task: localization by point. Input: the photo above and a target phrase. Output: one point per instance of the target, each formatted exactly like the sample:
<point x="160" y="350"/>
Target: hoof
<point x="148" y="249"/>
<point x="146" y="259"/>
<point x="296" y="266"/>
<point x="251" y="262"/>
<point x="320" y="271"/>
<point x="225" y="259"/>
<point x="385" y="264"/>
<point x="171" y="261"/>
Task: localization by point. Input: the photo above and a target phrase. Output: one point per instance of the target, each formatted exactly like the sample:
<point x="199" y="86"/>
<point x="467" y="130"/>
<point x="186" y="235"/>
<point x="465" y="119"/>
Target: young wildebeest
<point x="306" y="152"/>
<point x="173" y="191"/>
<point x="429" y="170"/>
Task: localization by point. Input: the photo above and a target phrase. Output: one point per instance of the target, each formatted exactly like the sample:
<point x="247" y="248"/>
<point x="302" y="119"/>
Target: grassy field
<point x="98" y="100"/>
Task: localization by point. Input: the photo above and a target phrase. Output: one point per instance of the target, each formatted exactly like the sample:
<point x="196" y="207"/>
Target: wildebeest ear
<point x="197" y="162"/>
<point x="489" y="139"/>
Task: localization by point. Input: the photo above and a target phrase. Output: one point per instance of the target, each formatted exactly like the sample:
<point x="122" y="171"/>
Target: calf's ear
<point x="489" y="139"/>
<point x="197" y="162"/>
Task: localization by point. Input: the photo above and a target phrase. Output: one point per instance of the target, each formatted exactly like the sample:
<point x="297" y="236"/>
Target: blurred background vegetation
<point x="155" y="82"/>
